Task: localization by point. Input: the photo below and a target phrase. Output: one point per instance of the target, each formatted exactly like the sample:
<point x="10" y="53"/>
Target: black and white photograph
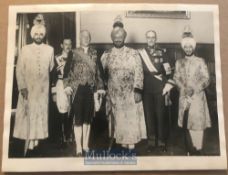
<point x="107" y="87"/>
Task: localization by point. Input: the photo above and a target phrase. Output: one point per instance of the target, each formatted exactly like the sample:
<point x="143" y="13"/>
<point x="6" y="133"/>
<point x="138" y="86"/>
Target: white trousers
<point x="197" y="138"/>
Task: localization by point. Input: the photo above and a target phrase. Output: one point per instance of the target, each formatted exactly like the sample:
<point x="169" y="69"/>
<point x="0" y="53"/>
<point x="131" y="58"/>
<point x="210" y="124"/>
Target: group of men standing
<point x="136" y="87"/>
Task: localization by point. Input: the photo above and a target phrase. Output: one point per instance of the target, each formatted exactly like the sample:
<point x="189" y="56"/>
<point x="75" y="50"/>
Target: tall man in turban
<point x="33" y="67"/>
<point x="157" y="84"/>
<point x="82" y="82"/>
<point x="192" y="77"/>
<point x="123" y="68"/>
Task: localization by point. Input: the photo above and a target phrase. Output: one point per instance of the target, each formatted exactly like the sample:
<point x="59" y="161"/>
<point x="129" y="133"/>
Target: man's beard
<point x="119" y="45"/>
<point x="189" y="54"/>
<point x="38" y="41"/>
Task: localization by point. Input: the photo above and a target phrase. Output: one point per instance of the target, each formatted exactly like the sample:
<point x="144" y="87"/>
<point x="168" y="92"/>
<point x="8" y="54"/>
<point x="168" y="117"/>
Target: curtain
<point x="22" y="32"/>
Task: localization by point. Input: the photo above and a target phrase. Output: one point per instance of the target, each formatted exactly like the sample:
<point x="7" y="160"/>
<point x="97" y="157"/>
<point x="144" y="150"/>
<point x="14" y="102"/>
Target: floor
<point x="99" y="140"/>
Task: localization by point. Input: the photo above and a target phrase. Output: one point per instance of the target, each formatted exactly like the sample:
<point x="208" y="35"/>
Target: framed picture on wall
<point x="159" y="14"/>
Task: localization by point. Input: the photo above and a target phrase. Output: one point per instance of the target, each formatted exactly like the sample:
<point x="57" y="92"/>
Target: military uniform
<point x="60" y="71"/>
<point x="153" y="100"/>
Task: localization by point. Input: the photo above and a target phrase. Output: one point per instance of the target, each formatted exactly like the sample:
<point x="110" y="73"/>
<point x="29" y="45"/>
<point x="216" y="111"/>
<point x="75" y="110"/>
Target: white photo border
<point x="143" y="163"/>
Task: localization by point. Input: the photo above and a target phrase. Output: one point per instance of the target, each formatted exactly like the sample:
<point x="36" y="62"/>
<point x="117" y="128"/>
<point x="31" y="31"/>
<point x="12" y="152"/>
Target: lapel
<point x="149" y="53"/>
<point x="68" y="63"/>
<point x="82" y="54"/>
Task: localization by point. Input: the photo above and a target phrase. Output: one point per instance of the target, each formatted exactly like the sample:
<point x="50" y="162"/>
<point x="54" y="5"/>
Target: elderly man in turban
<point x="32" y="72"/>
<point x="191" y="77"/>
<point x="124" y="82"/>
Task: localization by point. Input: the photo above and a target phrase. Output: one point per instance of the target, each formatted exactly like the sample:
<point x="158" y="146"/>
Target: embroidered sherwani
<point x="33" y="67"/>
<point x="193" y="73"/>
<point x="124" y="75"/>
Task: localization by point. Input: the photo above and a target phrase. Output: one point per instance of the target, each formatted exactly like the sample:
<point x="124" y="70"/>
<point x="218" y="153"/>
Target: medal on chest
<point x="156" y="60"/>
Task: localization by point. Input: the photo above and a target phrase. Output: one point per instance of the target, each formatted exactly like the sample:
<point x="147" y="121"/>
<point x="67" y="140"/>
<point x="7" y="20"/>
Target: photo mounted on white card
<point x="113" y="87"/>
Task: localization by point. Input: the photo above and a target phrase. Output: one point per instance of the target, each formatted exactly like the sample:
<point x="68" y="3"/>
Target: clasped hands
<point x="68" y="90"/>
<point x="167" y="88"/>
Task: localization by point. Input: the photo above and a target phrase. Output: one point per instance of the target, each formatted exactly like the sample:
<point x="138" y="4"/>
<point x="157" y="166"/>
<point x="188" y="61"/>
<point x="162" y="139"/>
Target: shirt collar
<point x="85" y="49"/>
<point x="119" y="49"/>
<point x="37" y="45"/>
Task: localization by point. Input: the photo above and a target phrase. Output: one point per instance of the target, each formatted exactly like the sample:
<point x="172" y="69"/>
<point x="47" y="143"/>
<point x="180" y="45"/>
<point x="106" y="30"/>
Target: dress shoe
<point x="162" y="146"/>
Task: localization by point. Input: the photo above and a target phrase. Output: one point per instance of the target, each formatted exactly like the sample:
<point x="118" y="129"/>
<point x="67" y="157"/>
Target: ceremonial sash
<point x="148" y="63"/>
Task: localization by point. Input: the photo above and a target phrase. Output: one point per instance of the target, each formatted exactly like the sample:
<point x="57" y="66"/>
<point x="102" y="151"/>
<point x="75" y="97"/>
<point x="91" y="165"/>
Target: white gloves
<point x="167" y="88"/>
<point x="98" y="96"/>
<point x="68" y="90"/>
<point x="62" y="98"/>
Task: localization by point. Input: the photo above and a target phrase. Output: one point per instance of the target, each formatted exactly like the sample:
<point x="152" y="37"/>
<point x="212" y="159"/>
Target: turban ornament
<point x="118" y="22"/>
<point x="188" y="37"/>
<point x="118" y="27"/>
<point x="39" y="19"/>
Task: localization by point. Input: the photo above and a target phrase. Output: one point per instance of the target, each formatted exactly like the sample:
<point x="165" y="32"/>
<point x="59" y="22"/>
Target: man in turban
<point x="32" y="72"/>
<point x="123" y="68"/>
<point x="191" y="77"/>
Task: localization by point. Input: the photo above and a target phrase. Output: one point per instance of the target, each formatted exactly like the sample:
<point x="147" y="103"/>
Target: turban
<point x="38" y="28"/>
<point x="188" y="41"/>
<point x="118" y="31"/>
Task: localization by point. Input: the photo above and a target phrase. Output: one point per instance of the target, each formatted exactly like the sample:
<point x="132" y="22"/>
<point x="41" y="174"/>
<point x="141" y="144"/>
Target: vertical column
<point x="77" y="27"/>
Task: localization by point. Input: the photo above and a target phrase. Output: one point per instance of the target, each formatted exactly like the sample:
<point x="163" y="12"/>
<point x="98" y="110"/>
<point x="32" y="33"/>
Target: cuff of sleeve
<point x="170" y="81"/>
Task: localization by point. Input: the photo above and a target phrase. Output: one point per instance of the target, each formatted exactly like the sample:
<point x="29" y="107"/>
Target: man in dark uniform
<point x="61" y="69"/>
<point x="157" y="84"/>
